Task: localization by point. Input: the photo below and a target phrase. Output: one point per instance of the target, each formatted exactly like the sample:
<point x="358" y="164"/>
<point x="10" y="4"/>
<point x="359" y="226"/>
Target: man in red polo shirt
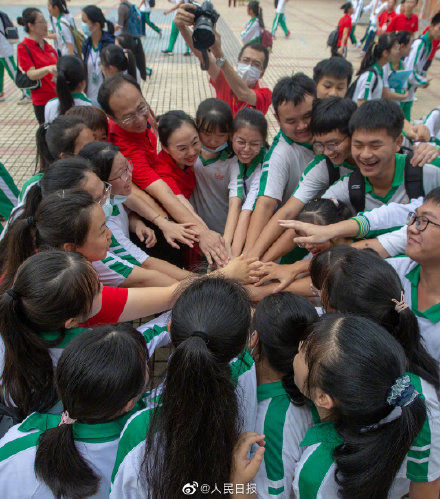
<point x="237" y="87"/>
<point x="406" y="20"/>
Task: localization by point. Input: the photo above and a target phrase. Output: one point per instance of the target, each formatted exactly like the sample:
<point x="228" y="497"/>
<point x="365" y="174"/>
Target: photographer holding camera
<point x="237" y="87"/>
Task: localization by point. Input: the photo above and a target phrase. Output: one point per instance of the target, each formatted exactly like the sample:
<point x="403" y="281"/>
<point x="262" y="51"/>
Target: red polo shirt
<point x="180" y="181"/>
<point x="223" y="91"/>
<point x="385" y="18"/>
<point x="402" y="23"/>
<point x="435" y="44"/>
<point x="41" y="57"/>
<point x="344" y="22"/>
<point x="140" y="148"/>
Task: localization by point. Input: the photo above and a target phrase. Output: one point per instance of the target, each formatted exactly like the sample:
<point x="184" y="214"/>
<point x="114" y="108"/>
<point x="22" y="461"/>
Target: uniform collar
<point x="69" y="334"/>
<point x="379" y="69"/>
<point x="290" y="141"/>
<point x="432" y="313"/>
<point x="322" y="433"/>
<point x="398" y="179"/>
<point x="271" y="390"/>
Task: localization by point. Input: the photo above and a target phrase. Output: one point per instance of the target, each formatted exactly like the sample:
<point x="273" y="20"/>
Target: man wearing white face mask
<point x="237" y="87"/>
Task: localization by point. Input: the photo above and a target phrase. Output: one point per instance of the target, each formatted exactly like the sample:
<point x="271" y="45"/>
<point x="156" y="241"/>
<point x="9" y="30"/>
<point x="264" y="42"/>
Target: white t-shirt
<point x="433" y="123"/>
<point x="95" y="78"/>
<point x="244" y="184"/>
<point x="367" y="82"/>
<point x="252" y="31"/>
<point x="51" y="110"/>
<point x="282" y="167"/>
<point x="60" y="26"/>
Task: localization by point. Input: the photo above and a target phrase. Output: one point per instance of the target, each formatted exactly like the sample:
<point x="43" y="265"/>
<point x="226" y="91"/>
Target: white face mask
<point x="117" y="199"/>
<point x="108" y="208"/>
<point x="248" y="74"/>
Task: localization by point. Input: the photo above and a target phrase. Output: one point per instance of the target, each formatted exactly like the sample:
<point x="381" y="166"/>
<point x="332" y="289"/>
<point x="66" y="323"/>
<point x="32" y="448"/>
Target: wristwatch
<point x="220" y="61"/>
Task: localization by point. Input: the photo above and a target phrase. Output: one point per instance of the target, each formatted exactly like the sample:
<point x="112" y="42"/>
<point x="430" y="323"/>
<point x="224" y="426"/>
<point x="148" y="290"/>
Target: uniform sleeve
<point x="433" y="122"/>
<point x="365" y="84"/>
<point x="339" y="191"/>
<point x="264" y="99"/>
<point x="113" y="304"/>
<point x="390" y="215"/>
<point x="386" y="74"/>
<point x="252" y="195"/>
<point x="156" y="333"/>
<point x="233" y="182"/>
<point x="66" y="34"/>
<point x="394" y="243"/>
<point x="431" y="177"/>
<point x="24" y="60"/>
<point x="314" y="181"/>
<point x="250" y="32"/>
<point x="275" y="174"/>
<point x="412" y="63"/>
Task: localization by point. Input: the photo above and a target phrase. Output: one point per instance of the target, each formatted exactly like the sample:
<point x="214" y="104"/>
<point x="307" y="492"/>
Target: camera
<point x="205" y="16"/>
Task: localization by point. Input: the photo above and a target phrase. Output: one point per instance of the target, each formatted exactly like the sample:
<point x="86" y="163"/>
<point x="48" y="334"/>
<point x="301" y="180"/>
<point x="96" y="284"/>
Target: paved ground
<point x="177" y="81"/>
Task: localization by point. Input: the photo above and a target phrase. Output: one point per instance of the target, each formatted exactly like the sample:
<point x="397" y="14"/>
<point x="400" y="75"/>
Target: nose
<point x="109" y="234"/>
<point x="332" y="92"/>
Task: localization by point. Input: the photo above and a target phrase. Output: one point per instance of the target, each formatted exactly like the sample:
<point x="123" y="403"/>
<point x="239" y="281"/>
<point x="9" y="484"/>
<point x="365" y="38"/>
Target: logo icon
<point x="190" y="489"/>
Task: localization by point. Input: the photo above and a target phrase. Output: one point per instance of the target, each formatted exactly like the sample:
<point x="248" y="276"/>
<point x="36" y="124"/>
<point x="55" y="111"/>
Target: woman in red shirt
<point x="37" y="59"/>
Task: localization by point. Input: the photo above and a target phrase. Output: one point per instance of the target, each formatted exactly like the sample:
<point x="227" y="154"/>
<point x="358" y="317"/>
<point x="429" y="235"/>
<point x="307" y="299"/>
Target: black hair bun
<point x="20" y="21"/>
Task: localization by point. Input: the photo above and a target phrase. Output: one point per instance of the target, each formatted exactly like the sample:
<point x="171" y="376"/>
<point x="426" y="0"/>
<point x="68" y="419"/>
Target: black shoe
<point x="166" y="51"/>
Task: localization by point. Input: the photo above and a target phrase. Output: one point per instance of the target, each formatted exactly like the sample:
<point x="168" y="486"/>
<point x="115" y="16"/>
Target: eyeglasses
<point x="421" y="222"/>
<point x="320" y="147"/>
<point x="241" y="144"/>
<point x="106" y="194"/>
<point x="142" y="112"/>
<point x="126" y="172"/>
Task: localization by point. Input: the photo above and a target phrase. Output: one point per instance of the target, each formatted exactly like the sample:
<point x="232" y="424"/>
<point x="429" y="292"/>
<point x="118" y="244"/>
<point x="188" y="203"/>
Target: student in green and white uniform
<point x="398" y="53"/>
<point x="203" y="399"/>
<point x="380" y="406"/>
<point x="249" y="138"/>
<point x="432" y="121"/>
<point x="280" y="19"/>
<point x="212" y="168"/>
<point x="8" y="194"/>
<point x="61" y="22"/>
<point x="255" y="26"/>
<point x="283" y="416"/>
<point x="290" y="153"/>
<point x="369" y="85"/>
<point x="75" y="458"/>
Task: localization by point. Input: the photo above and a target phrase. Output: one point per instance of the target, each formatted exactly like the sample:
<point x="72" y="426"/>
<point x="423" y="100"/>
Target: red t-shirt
<point x="402" y="23"/>
<point x="435" y="44"/>
<point x="140" y="148"/>
<point x="113" y="304"/>
<point x="223" y="91"/>
<point x="385" y="18"/>
<point x="40" y="58"/>
<point x="180" y="181"/>
<point x="344" y="22"/>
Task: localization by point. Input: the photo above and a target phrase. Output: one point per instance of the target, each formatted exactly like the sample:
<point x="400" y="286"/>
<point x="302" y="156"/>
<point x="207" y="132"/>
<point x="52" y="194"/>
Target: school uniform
<point x="131" y="450"/>
<point x="113" y="269"/>
<point x="8" y="194"/>
<point x="51" y="110"/>
<point x="388" y="70"/>
<point x="145" y="15"/>
<point x="432" y="121"/>
<point x="315" y="178"/>
<point x="210" y="194"/>
<point x="252" y="31"/>
<point x="369" y="85"/>
<point x="180" y="180"/>
<point x="284" y="426"/>
<point x="280" y="18"/>
<point x="245" y="182"/>
<point x="371" y="30"/>
<point x="315" y="472"/>
<point x="60" y="26"/>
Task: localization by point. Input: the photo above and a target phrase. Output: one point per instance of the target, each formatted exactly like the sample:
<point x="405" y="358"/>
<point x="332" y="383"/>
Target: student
<point x="396" y="64"/>
<point x="237" y="87"/>
<point x="209" y="331"/>
<point x="8" y="194"/>
<point x="432" y="121"/>
<point x="94" y="118"/>
<point x="61" y="22"/>
<point x="212" y="168"/>
<point x="368" y="405"/>
<point x="375" y="7"/>
<point x="289" y="154"/>
<point x="70" y="86"/>
<point x="364" y="284"/>
<point x="115" y="60"/>
<point x="369" y="84"/>
<point x="145" y="9"/>
<point x="332" y="143"/>
<point x="133" y="43"/>
<point x="249" y="142"/>
<point x="279" y="325"/>
<point x="406" y="20"/>
<point x="72" y="454"/>
<point x="37" y="59"/>
<point x="254" y="27"/>
<point x="385" y="17"/>
<point x="332" y="77"/>
<point x="344" y="29"/>
<point x="121" y="98"/>
<point x="280" y="19"/>
<point x="435" y="46"/>
<point x="358" y="6"/>
<point x="416" y="60"/>
<point x="93" y="23"/>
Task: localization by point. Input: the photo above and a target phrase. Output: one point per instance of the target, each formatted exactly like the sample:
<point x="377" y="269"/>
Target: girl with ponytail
<point x="380" y="433"/>
<point x="255" y="27"/>
<point x="99" y="378"/>
<point x="279" y="324"/>
<point x="70" y="85"/>
<point x="369" y="85"/>
<point x="115" y="60"/>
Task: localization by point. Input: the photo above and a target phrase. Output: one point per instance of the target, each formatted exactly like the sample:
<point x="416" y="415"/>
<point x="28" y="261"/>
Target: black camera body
<point x="205" y="17"/>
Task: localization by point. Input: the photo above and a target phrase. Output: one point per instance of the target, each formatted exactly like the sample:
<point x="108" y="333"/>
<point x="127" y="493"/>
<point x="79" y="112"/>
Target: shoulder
<point x="401" y="264"/>
<point x="241" y="365"/>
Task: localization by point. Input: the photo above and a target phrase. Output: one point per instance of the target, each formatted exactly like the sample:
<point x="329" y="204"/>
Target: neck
<point x="385" y="179"/>
<point x="78" y="89"/>
<point x="208" y="155"/>
<point x="323" y="413"/>
<point x="430" y="277"/>
<point x="96" y="37"/>
<point x="266" y="373"/>
<point x="37" y="38"/>
<point x="430" y="36"/>
<point x="381" y="62"/>
<point x="395" y="62"/>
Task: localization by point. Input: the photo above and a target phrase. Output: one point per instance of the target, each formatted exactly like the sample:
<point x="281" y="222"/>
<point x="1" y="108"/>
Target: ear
<point x="253" y="339"/>
<point x="69" y="247"/>
<point x="399" y="141"/>
<point x="323" y="400"/>
<point x="63" y="155"/>
<point x="71" y="323"/>
<point x="129" y="405"/>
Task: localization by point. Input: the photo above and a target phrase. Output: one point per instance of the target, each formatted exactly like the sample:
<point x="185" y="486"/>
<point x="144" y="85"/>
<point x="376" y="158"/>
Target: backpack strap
<point x="356" y="190"/>
<point x="333" y="173"/>
<point x="413" y="179"/>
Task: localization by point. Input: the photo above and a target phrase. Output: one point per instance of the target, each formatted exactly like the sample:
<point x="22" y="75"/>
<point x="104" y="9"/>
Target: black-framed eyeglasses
<point x="421" y="222"/>
<point x="320" y="147"/>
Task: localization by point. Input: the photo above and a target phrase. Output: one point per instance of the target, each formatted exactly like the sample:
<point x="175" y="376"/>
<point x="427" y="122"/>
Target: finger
<point x="303" y="239"/>
<point x="172" y="243"/>
<point x="249" y="439"/>
<point x="141" y="237"/>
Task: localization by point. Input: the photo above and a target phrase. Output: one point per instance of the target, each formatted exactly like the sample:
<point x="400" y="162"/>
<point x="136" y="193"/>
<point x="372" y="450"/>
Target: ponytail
<point x="126" y="41"/>
<point x="43" y="157"/>
<point x="70" y="74"/>
<point x="121" y="59"/>
<point x="256" y="9"/>
<point x="260" y="17"/>
<point x="375" y="51"/>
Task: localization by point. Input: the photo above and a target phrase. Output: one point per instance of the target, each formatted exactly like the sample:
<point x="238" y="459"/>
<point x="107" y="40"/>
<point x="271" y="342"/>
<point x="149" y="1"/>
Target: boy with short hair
<point x="332" y="77"/>
<point x="406" y="20"/>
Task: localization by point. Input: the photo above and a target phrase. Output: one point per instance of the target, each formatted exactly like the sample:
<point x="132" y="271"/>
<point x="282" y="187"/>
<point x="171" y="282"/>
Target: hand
<point x="216" y="49"/>
<point x="244" y="469"/>
<point x="52" y="69"/>
<point x="421" y="133"/>
<point x="213" y="247"/>
<point x="404" y="95"/>
<point x="285" y="274"/>
<point x="423" y="154"/>
<point x="184" y="16"/>
<point x="314" y="234"/>
<point x="145" y="234"/>
<point x="184" y="233"/>
<point x="242" y="269"/>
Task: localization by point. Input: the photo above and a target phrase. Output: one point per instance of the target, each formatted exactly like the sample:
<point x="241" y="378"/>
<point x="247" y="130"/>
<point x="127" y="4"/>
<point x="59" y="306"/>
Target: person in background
<point x="280" y="19"/>
<point x="435" y="45"/>
<point x="344" y="30"/>
<point x="385" y="17"/>
<point x="60" y="20"/>
<point x="175" y="31"/>
<point x="133" y="43"/>
<point x="358" y="7"/>
<point x="376" y="7"/>
<point x="396" y="64"/>
<point x="37" y="59"/>
<point x="406" y="20"/>
<point x="145" y="9"/>
<point x="115" y="60"/>
<point x="332" y="77"/>
<point x="255" y="26"/>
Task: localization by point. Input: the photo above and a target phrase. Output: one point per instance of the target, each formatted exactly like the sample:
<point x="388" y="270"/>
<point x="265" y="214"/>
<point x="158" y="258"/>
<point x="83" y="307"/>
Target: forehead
<point x="288" y="109"/>
<point x="430" y="209"/>
<point x="248" y="133"/>
<point x="362" y="135"/>
<point x="333" y="134"/>
<point x="332" y="80"/>
<point x="254" y="55"/>
<point x="185" y="133"/>
<point x="124" y="98"/>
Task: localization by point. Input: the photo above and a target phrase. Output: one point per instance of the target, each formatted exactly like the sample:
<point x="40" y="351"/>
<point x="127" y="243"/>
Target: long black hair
<point x="256" y="9"/>
<point x="121" y="59"/>
<point x="70" y="73"/>
<point x="281" y="321"/>
<point x="375" y="50"/>
<point x="209" y="327"/>
<point x="321" y="211"/>
<point x="98" y="374"/>
<point x="100" y="155"/>
<point x="49" y="288"/>
<point x="133" y="43"/>
<point x="170" y="122"/>
<point x="356" y="362"/>
<point x="95" y="15"/>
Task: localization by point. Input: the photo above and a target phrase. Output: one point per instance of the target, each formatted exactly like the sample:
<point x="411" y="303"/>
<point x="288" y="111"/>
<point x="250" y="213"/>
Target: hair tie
<point x="31" y="221"/>
<point x="400" y="305"/>
<point x="66" y="419"/>
<point x="13" y="294"/>
<point x="402" y="393"/>
<point x="202" y="335"/>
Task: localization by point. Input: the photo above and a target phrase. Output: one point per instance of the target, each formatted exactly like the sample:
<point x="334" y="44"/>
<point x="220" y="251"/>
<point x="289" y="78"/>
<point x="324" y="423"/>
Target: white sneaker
<point x="24" y="100"/>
